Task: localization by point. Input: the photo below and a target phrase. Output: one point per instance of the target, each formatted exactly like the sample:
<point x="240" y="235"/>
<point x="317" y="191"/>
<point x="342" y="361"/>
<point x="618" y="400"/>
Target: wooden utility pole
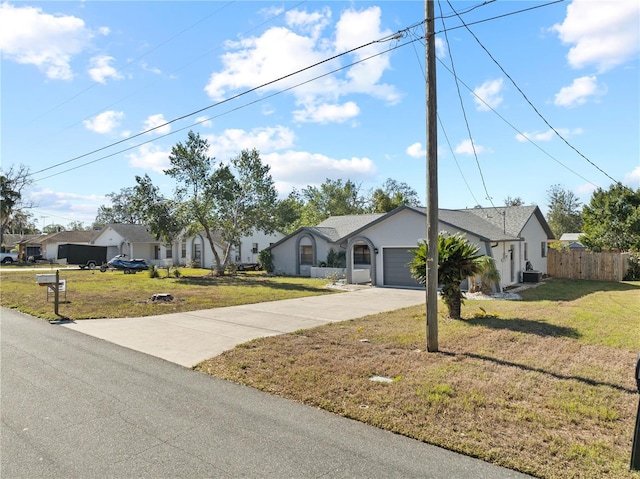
<point x="432" y="183"/>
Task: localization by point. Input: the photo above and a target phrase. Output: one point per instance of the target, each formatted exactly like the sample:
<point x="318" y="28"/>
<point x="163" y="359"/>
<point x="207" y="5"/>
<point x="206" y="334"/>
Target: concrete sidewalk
<point x="189" y="338"/>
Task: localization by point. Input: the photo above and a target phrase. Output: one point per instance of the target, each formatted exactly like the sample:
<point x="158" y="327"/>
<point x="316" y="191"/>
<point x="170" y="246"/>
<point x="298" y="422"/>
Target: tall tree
<point x="288" y="212"/>
<point x="612" y="219"/>
<point x="122" y="209"/>
<point x="331" y="198"/>
<point x="229" y="200"/>
<point x="76" y="226"/>
<point x="517" y="201"/>
<point x="161" y="215"/>
<point x="391" y="195"/>
<point x="564" y="211"/>
<point x="52" y="228"/>
<point x="13" y="182"/>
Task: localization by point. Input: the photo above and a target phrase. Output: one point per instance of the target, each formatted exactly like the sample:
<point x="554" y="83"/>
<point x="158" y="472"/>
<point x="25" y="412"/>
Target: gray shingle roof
<point x="12" y="239"/>
<point x="511" y="219"/>
<point x="79" y="236"/>
<point x="133" y="233"/>
<point x="490" y="224"/>
<point x="336" y="227"/>
<point x="466" y="221"/>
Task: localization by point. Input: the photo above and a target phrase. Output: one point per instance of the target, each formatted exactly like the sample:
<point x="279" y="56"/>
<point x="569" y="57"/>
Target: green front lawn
<point x="544" y="385"/>
<point x="92" y="294"/>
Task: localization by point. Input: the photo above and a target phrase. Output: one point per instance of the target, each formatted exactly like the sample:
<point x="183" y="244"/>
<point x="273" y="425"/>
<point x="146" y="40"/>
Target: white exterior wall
<point x="504" y="265"/>
<point x="402" y="230"/>
<point x="245" y="255"/>
<point x="534" y="237"/>
<point x="284" y="257"/>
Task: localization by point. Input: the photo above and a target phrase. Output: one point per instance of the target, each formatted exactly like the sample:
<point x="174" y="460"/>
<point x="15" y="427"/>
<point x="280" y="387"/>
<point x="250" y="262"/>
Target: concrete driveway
<point x="189" y="338"/>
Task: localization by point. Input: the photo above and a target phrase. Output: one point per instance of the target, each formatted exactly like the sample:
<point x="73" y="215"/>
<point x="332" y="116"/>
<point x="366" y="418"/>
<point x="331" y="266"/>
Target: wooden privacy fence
<point x="580" y="264"/>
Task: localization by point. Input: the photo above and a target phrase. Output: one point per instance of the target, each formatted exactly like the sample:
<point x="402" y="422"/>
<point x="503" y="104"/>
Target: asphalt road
<point x="74" y="406"/>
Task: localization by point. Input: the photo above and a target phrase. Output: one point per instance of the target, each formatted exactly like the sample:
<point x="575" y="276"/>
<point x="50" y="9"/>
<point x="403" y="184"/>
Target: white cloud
<point x="71" y="206"/>
<point x="204" y="121"/>
<point x="145" y="66"/>
<point x="289" y="167"/>
<point x="416" y="151"/>
<point x="327" y="113"/>
<point x="101" y="69"/>
<point x="154" y="121"/>
<point x="441" y="48"/>
<point x="300" y="168"/>
<point x="105" y="122"/>
<point x="578" y="92"/>
<point x="229" y="144"/>
<point x="280" y="51"/>
<point x="30" y="36"/>
<point x="547" y="135"/>
<point x="489" y="94"/>
<point x="312" y="23"/>
<point x="586" y="189"/>
<point x="632" y="178"/>
<point x="603" y="34"/>
<point x="104" y="31"/>
<point x="150" y="157"/>
<point x="466" y="147"/>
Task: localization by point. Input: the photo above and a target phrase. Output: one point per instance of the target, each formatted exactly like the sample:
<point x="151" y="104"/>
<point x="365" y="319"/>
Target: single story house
<point x="380" y="245"/>
<point x="48" y="244"/>
<point x="196" y="249"/>
<point x="133" y="240"/>
<point x="22" y="244"/>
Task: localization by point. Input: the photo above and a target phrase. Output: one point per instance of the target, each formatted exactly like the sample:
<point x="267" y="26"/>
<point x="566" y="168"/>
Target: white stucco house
<point x="197" y="251"/>
<point x="133" y="240"/>
<point x="380" y="244"/>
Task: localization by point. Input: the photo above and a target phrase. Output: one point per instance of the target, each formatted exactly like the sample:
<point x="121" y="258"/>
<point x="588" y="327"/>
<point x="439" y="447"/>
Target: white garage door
<point x="395" y="269"/>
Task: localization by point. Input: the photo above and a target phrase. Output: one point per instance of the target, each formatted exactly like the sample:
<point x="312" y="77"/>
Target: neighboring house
<point x="571" y="240"/>
<point x="197" y="251"/>
<point x="135" y="241"/>
<point x="382" y="244"/>
<point x="250" y="246"/>
<point x="20" y="242"/>
<point x="48" y="244"/>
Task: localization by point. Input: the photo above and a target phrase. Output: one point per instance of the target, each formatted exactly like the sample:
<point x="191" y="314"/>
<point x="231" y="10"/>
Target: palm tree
<point x="457" y="259"/>
<point x="488" y="275"/>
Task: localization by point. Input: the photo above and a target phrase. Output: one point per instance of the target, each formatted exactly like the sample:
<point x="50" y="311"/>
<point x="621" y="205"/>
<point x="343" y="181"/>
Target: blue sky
<point x="80" y="76"/>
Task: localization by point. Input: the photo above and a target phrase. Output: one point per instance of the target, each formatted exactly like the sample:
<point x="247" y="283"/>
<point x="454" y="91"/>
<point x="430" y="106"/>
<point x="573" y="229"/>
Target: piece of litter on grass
<point x="364" y="340"/>
<point x="380" y="379"/>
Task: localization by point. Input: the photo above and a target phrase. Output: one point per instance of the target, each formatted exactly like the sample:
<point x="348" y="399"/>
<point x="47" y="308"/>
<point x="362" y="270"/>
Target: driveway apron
<point x="191" y="337"/>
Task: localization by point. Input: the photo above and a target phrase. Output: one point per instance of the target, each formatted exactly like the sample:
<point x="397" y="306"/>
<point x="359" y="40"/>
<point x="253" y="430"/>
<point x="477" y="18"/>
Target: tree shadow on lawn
<point x="524" y="367"/>
<point x="557" y="289"/>
<point x="529" y="326"/>
<point x="248" y="282"/>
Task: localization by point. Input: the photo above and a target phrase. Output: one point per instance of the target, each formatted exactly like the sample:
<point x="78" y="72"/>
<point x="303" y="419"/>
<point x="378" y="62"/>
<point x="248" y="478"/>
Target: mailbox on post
<point x="46" y="279"/>
<point x="52" y="282"/>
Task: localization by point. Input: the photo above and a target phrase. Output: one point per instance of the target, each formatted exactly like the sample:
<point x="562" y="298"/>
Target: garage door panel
<point x="395" y="269"/>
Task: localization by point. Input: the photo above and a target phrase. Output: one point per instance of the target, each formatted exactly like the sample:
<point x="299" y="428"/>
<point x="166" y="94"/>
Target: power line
<point x="397" y="35"/>
<point x="226" y="112"/>
<point x="515" y="128"/>
<point x="466" y="120"/>
<point x="455" y="159"/>
<point x="531" y="104"/>
<point x="170" y="72"/>
<point x="504" y="15"/>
